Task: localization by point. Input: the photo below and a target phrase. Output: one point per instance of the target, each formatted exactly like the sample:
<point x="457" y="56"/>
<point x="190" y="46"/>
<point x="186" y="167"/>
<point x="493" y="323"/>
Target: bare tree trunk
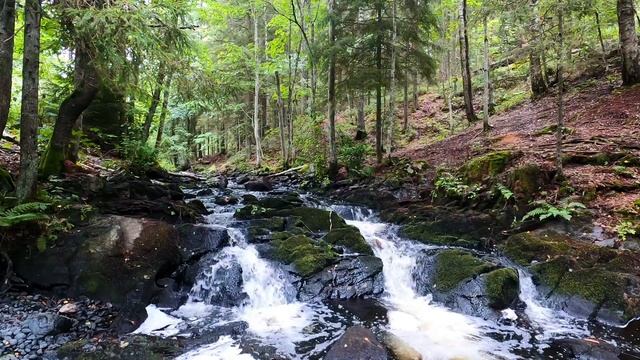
<point x="333" y="152"/>
<point x="560" y="128"/>
<point x="601" y="41"/>
<point x="7" y="30"/>
<point x="415" y="91"/>
<point x="28" y="177"/>
<point x="628" y="42"/>
<point x="281" y="125"/>
<point x="405" y="127"/>
<point x="361" y="132"/>
<point x="391" y="115"/>
<point x="379" y="86"/>
<point x="256" y="91"/>
<point x="536" y="71"/>
<point x="464" y="62"/>
<point x="163" y="111"/>
<point x="485" y="108"/>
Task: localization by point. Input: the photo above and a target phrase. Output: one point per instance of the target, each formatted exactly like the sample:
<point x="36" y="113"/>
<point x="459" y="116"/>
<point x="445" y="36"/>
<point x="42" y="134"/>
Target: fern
<point x="22" y="213"/>
<point x="545" y="211"/>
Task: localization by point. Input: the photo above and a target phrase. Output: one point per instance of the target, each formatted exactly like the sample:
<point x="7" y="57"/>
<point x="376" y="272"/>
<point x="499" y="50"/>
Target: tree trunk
<point x="155" y="100"/>
<point x="405" y="126"/>
<point x="83" y="94"/>
<point x="560" y="128"/>
<point x="333" y="152"/>
<point x="29" y="110"/>
<point x="601" y="41"/>
<point x="485" y="108"/>
<point x="361" y="132"/>
<point x="415" y="91"/>
<point x="7" y="29"/>
<point x="464" y="62"/>
<point x="391" y="115"/>
<point x="628" y="42"/>
<point x="536" y="71"/>
<point x="379" y="86"/>
<point x="163" y="111"/>
<point x="256" y="89"/>
<point x="281" y="125"/>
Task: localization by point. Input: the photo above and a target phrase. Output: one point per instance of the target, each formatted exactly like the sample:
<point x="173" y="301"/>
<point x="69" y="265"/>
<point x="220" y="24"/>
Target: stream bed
<point x="274" y="324"/>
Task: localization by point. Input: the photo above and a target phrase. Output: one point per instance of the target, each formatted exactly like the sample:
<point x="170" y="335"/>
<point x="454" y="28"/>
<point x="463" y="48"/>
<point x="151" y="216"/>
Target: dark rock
<point x="582" y="349"/>
<point x="357" y="343"/>
<point x="6" y="182"/>
<point x="198" y="206"/>
<point x="222" y="288"/>
<point x="218" y="182"/>
<point x="129" y="348"/>
<point x="116" y="259"/>
<point x="369" y="311"/>
<point x="350" y="238"/>
<point x="350" y="278"/>
<point x="249" y="199"/>
<point x="205" y="192"/>
<point x="262" y="185"/>
<point x="195" y="240"/>
<point x="44" y="324"/>
<point x="373" y="198"/>
<point x="226" y="200"/>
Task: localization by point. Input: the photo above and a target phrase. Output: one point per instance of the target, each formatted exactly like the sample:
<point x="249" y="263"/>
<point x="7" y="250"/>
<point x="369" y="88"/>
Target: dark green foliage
<point x="23" y="213"/>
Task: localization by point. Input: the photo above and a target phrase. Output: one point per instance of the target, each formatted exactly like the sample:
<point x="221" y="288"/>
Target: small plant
<point x="454" y="186"/>
<point x="505" y="192"/>
<point x="138" y="156"/>
<point x="27" y="212"/>
<point x="545" y="211"/>
<point x="624" y="229"/>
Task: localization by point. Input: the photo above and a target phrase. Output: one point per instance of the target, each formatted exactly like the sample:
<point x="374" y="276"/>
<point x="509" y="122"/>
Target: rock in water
<point x="357" y="343"/>
<point x="259" y="185"/>
<point x="400" y="349"/>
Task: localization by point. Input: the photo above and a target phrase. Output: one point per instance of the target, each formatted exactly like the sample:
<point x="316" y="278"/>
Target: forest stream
<point x="278" y="321"/>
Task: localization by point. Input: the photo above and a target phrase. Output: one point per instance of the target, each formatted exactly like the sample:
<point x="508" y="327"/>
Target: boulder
<point x="198" y="207"/>
<point x="486" y="166"/>
<point x="350" y="278"/>
<point x="262" y="185"/>
<point x="224" y="200"/>
<point x="582" y="349"/>
<point x="134" y="347"/>
<point x="357" y="343"/>
<point x="44" y="324"/>
<point x="115" y="259"/>
<point x="197" y="240"/>
<point x="349" y="237"/>
<point x="305" y="255"/>
<point x="398" y="348"/>
<point x="218" y="284"/>
<point x="205" y="192"/>
<point x="218" y="182"/>
<point x="581" y="278"/>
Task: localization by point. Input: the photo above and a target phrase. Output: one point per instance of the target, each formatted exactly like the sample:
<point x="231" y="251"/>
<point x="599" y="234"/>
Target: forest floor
<point x="601" y="145"/>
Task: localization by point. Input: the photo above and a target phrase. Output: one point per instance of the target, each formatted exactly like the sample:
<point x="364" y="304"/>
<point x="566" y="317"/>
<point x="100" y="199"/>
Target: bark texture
<point x="628" y="42"/>
<point x="7" y="30"/>
<point x="467" y="87"/>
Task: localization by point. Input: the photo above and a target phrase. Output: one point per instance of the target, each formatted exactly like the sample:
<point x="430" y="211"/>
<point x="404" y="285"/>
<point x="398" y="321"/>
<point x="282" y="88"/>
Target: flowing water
<point x="286" y="328"/>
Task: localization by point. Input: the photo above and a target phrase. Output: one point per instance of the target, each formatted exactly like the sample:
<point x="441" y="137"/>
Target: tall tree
<point x="379" y="82"/>
<point x="333" y="152"/>
<point x="391" y="117"/>
<point x="486" y="69"/>
<point x="257" y="131"/>
<point x="561" y="54"/>
<point x="536" y="72"/>
<point x="467" y="86"/>
<point x="628" y="42"/>
<point x="7" y="29"/>
<point x="29" y="110"/>
<point x="163" y="111"/>
<point x="155" y="101"/>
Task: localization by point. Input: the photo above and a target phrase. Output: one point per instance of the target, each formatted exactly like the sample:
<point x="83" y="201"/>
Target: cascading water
<point x="304" y="330"/>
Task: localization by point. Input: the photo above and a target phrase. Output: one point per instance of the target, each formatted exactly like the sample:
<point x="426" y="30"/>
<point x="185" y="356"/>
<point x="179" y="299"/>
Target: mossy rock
<point x="526" y="247"/>
<point x="526" y="181"/>
<point x="502" y="287"/>
<point x="454" y="266"/>
<point x="316" y="220"/>
<point x="307" y="256"/>
<point x="250" y="212"/>
<point x="486" y="166"/>
<point x="6" y="182"/>
<point x="350" y="238"/>
<point x="429" y="233"/>
<point x="286" y="202"/>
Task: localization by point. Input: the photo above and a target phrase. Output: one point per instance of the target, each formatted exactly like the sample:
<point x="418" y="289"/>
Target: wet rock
<point x="306" y="255"/>
<point x="195" y="240"/>
<point x="218" y="182"/>
<point x="205" y="192"/>
<point x="350" y="238"/>
<point x="582" y="349"/>
<point x="367" y="311"/>
<point x="350" y="278"/>
<point x="315" y="220"/>
<point x="262" y="185"/>
<point x="226" y="200"/>
<point x="224" y="288"/>
<point x="578" y="277"/>
<point x="129" y="348"/>
<point x="398" y="348"/>
<point x="115" y="259"/>
<point x="374" y="198"/>
<point x="198" y="207"/>
<point x="357" y="343"/>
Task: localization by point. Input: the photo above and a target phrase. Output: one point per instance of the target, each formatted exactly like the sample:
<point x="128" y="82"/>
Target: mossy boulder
<point x="306" y="255"/>
<point x="425" y="232"/>
<point x="350" y="238"/>
<point x="502" y="287"/>
<point x="250" y="212"/>
<point x="527" y="180"/>
<point x="487" y="166"/>
<point x="454" y="266"/>
<point x="579" y="277"/>
<point x="316" y="220"/>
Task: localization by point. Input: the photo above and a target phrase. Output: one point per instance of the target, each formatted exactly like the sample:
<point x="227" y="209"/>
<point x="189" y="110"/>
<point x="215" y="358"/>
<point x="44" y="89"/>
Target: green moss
<point x="314" y="219"/>
<point x="489" y="165"/>
<point x="250" y="212"/>
<point x="502" y="287"/>
<point x="527" y="247"/>
<point x="307" y="256"/>
<point x="52" y="161"/>
<point x="429" y="234"/>
<point x="453" y="266"/>
<point x="350" y="238"/>
<point x="525" y="181"/>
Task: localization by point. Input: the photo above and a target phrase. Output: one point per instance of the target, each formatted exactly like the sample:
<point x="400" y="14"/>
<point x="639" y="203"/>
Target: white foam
<point x="224" y="349"/>
<point x="158" y="323"/>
